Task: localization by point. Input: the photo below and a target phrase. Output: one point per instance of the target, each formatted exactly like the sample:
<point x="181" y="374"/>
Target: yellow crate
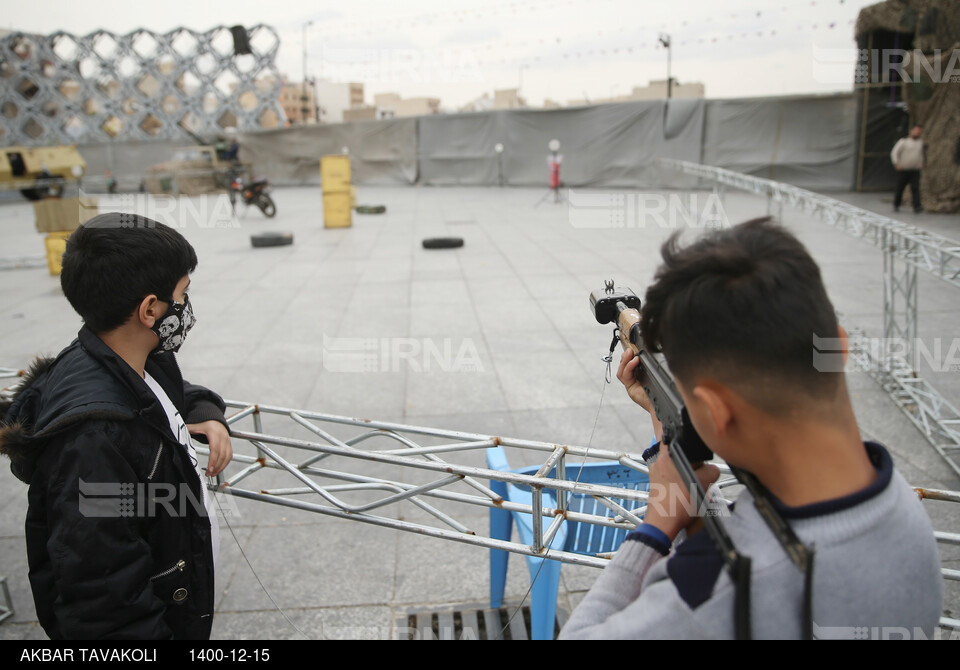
<point x="56" y="244"/>
<point x="337" y="212"/>
<point x="353" y="197"/>
<point x="64" y="214"/>
<point x="335" y="173"/>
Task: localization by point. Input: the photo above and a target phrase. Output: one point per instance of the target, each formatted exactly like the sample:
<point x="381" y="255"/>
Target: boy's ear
<point x="844" y="343"/>
<point x="715" y="401"/>
<point x="148" y="311"/>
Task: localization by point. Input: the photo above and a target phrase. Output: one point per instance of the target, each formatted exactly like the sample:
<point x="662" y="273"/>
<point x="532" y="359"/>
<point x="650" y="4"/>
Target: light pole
<point x="520" y="84"/>
<point x="304" y="108"/>
<point x="665" y="42"/>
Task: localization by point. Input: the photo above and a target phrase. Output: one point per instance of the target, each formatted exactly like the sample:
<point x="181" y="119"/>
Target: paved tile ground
<point x="513" y="301"/>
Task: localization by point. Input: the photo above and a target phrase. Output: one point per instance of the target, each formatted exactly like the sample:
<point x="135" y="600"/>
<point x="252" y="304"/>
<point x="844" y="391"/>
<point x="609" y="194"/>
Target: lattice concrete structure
<point x="102" y="87"/>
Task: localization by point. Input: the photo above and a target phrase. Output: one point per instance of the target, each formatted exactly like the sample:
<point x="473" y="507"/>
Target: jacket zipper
<point x="180" y="565"/>
<point x="156" y="461"/>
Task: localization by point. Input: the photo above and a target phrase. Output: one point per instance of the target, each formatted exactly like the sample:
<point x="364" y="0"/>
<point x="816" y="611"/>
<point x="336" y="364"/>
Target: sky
<point x="562" y="50"/>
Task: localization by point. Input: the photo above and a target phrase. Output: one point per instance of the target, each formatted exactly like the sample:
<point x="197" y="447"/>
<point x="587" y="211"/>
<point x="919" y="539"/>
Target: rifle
<point x="621" y="306"/>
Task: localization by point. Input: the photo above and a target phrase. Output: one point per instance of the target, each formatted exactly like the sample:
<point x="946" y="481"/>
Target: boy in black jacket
<point x="121" y="533"/>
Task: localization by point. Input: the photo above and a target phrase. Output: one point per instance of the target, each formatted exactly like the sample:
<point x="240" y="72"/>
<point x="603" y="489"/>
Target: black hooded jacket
<point x="118" y="543"/>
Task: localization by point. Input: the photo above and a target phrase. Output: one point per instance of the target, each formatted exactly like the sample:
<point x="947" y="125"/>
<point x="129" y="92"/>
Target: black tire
<point x="271" y="239"/>
<point x="33" y="193"/>
<point x="371" y="209"/>
<point x="51" y="187"/>
<point x="443" y="243"/>
<point x="265" y="203"/>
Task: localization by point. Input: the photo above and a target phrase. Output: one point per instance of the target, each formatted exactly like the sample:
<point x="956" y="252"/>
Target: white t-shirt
<point x="179" y="428"/>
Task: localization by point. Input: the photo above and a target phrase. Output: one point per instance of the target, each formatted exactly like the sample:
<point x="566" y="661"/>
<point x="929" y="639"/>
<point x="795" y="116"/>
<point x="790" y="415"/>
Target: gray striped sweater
<point x="876" y="574"/>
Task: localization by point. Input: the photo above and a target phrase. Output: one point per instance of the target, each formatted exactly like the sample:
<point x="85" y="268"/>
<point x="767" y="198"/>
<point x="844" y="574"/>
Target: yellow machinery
<point x="38" y="172"/>
<point x="41" y="175"/>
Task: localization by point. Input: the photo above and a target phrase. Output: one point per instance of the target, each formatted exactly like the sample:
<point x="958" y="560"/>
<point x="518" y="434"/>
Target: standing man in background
<point x="908" y="157"/>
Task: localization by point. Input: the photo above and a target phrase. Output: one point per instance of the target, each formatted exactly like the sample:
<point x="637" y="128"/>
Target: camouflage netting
<point x="934" y="104"/>
<point x="934" y="24"/>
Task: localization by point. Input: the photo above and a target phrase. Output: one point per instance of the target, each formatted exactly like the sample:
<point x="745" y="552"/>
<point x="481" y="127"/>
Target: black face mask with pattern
<point x="173" y="326"/>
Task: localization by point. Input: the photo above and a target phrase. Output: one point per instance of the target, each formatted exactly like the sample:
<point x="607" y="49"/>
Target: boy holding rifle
<point x="735" y="315"/>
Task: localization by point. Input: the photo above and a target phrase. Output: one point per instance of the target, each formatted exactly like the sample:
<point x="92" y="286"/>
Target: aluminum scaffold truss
<point x="323" y="471"/>
<point x="384" y="464"/>
<point x="408" y="451"/>
<point x="906" y="249"/>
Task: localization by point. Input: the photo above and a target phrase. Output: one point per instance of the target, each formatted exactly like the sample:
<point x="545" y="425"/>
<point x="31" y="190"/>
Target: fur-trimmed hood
<point x="54" y="394"/>
<point x="14" y="435"/>
<point x="88" y="381"/>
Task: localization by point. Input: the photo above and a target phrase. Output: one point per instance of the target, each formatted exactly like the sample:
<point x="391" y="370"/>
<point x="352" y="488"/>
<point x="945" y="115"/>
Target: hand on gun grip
<point x="669" y="506"/>
<point x="627" y="374"/>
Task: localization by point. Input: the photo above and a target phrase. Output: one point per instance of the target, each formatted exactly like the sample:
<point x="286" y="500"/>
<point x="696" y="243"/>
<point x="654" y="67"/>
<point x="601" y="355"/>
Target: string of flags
<point x="624" y="44"/>
<point x="542" y="8"/>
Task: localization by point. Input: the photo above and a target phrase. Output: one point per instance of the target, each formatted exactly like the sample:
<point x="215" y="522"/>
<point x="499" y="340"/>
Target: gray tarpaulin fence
<point x="603" y="145"/>
<point x="805" y="141"/>
<point x="809" y="142"/>
<point x="381" y="152"/>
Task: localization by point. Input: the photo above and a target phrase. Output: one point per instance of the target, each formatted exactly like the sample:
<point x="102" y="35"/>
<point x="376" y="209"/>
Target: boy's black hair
<point x="741" y="305"/>
<point x="114" y="260"/>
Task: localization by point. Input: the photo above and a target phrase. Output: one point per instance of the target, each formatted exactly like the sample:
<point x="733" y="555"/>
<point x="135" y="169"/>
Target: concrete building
<point x="364" y="113"/>
<point x="336" y="98"/>
<point x="482" y="104"/>
<point x="299" y="111"/>
<point x="508" y="98"/>
<point x="391" y="105"/>
<point x="655" y="90"/>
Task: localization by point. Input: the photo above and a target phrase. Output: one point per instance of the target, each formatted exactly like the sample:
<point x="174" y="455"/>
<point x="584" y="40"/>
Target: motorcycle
<point x="255" y="193"/>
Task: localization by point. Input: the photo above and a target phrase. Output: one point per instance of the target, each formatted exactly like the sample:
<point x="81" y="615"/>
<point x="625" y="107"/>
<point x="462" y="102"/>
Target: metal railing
<point x="458" y="485"/>
<point x="450" y="486"/>
<point x="905" y="249"/>
<point x="935" y="254"/>
<point x="9" y="380"/>
<point x="325" y="472"/>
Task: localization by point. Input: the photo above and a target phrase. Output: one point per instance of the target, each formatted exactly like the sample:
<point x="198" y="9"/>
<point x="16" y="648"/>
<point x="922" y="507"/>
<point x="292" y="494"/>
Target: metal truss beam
<point x="906" y="249"/>
<point x="451" y="487"/>
<point x="8" y="380"/>
<point x="923" y="405"/>
<point x="320" y="476"/>
<point x="935" y="254"/>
